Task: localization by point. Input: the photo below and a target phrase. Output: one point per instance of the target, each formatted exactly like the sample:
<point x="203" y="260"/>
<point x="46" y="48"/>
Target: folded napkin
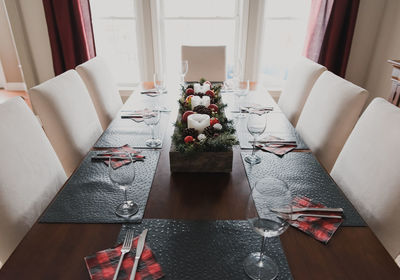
<point x="118" y="162"/>
<point x="103" y="264"/>
<point x="320" y="228"/>
<point x="134" y="114"/>
<point x="277" y="148"/>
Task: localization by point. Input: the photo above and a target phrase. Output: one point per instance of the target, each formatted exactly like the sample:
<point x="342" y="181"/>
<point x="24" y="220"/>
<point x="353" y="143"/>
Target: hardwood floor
<point x="6" y="94"/>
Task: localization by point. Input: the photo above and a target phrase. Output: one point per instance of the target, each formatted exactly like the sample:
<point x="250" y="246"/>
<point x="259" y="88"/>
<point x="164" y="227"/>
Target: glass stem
<point x="254" y="147"/>
<point x="262" y="248"/>
<point x="126" y="195"/>
<point x="152" y="132"/>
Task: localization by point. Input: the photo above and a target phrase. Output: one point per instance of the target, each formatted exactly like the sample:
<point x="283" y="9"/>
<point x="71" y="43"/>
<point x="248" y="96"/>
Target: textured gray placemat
<point x="90" y="197"/>
<point x="277" y="125"/>
<point x="206" y="249"/>
<point x="305" y="177"/>
<point x="127" y="131"/>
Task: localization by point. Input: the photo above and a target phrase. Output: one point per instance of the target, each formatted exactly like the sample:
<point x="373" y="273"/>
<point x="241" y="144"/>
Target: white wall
<point x="28" y="24"/>
<point x="8" y="55"/>
<point x="370" y="14"/>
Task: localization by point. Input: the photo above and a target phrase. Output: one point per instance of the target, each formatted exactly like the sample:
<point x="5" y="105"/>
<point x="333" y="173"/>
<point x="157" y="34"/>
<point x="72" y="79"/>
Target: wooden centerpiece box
<point x="203" y="137"/>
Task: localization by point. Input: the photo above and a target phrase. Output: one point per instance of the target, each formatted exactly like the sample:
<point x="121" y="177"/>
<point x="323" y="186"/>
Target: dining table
<point x="56" y="250"/>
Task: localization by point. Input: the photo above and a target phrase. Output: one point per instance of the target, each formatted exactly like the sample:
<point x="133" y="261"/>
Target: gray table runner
<point x="90" y="197"/>
<point x="127" y="131"/>
<point x="206" y="249"/>
<point x="305" y="177"/>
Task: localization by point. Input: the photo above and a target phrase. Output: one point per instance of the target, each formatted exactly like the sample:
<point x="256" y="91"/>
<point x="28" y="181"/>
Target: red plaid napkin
<point x="102" y="265"/>
<point x="116" y="163"/>
<point x="277" y="149"/>
<point x="319" y="228"/>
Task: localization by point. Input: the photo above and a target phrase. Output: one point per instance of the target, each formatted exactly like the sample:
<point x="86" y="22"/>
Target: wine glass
<point x="241" y="93"/>
<point x="183" y="71"/>
<point x="237" y="72"/>
<point x="123" y="177"/>
<point x="268" y="196"/>
<point x="159" y="82"/>
<point x="151" y="118"/>
<point x="256" y="124"/>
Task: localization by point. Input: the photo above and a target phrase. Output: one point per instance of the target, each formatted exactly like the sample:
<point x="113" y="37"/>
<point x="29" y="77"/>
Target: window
<point x="114" y="27"/>
<point x="201" y="23"/>
<point x="285" y="26"/>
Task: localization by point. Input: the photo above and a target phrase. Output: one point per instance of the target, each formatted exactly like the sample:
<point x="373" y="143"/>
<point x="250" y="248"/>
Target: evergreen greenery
<point x="221" y="141"/>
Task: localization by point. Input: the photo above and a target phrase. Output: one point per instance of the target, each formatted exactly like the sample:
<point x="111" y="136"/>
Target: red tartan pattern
<point x="116" y="163"/>
<point x="319" y="228"/>
<point x="102" y="265"/>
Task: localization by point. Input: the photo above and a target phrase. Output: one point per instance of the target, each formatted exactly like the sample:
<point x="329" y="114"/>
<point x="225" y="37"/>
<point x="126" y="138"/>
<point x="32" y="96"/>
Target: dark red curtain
<point x="335" y="49"/>
<point x="69" y="24"/>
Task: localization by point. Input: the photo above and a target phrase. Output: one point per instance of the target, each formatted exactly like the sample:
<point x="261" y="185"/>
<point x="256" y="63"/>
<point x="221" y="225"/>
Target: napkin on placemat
<point x="118" y="162"/>
<point x="102" y="265"/>
<point x="134" y="114"/>
<point x="319" y="228"/>
<point x="277" y="148"/>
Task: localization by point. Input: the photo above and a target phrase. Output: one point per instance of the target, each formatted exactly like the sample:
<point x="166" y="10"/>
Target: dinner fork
<point x="295" y="217"/>
<point x="126" y="247"/>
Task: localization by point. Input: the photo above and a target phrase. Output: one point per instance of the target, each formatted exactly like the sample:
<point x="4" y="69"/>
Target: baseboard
<point x="15" y="86"/>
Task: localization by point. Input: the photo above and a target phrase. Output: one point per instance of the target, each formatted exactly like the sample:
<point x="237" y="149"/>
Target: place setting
<point x="110" y="186"/>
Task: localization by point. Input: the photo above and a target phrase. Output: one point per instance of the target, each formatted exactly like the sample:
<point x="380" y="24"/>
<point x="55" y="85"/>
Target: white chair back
<point x="102" y="89"/>
<point x="68" y="117"/>
<point x="206" y="62"/>
<point x="30" y="173"/>
<point x="367" y="171"/>
<point x="301" y="78"/>
<point x="329" y="114"/>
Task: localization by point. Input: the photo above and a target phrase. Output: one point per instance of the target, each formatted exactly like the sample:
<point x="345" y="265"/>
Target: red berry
<point x="188" y="139"/>
<point x="210" y="93"/>
<point x="213" y="121"/>
<point x="186" y="115"/>
<point x="213" y="107"/>
<point x="189" y="91"/>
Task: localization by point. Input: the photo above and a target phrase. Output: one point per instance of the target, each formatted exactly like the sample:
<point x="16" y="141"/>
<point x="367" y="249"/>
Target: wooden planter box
<point x="206" y="162"/>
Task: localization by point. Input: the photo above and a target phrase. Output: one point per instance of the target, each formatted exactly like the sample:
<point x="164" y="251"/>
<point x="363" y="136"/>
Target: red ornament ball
<point x="213" y="121"/>
<point x="210" y="93"/>
<point x="189" y="139"/>
<point x="189" y="91"/>
<point x="213" y="107"/>
<point x="186" y="115"/>
<point x="208" y="82"/>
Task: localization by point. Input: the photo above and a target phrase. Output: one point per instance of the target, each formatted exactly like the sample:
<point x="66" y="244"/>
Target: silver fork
<point x="126" y="247"/>
<point x="295" y="217"/>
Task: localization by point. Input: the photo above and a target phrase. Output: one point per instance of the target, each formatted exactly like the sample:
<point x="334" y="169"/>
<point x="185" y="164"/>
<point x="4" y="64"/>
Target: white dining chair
<point x="367" y="171"/>
<point x="301" y="78"/>
<point x="30" y="173"/>
<point x="206" y="62"/>
<point x="102" y="88"/>
<point x="68" y="117"/>
<point x="329" y="114"/>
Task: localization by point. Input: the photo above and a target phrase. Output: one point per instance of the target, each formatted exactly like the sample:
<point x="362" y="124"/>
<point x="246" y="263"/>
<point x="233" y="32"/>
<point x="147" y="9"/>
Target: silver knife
<point x="139" y="250"/>
<point x="310" y="209"/>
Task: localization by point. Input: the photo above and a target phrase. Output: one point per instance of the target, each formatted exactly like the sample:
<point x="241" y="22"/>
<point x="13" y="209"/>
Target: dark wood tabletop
<point x="56" y="251"/>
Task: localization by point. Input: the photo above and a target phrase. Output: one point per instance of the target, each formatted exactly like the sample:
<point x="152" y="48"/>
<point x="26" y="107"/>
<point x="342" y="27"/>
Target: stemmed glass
<point x="268" y="196"/>
<point x="240" y="94"/>
<point x="159" y="80"/>
<point x="237" y="72"/>
<point x="123" y="178"/>
<point x="151" y="118"/>
<point x="256" y="124"/>
<point x="183" y="71"/>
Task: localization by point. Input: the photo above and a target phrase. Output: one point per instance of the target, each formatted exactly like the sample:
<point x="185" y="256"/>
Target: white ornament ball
<point x="201" y="137"/>
<point x="217" y="126"/>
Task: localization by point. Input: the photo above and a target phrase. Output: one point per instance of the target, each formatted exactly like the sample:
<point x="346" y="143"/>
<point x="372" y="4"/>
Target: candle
<point x="197" y="100"/>
<point x="198" y="122"/>
<point x="201" y="88"/>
